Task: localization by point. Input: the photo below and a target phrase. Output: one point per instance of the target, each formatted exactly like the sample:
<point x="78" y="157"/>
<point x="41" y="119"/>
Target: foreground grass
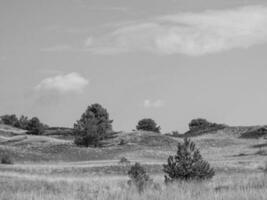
<point x="240" y="186"/>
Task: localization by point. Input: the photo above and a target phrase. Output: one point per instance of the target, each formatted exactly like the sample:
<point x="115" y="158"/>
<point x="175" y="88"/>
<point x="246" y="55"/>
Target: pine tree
<point x="93" y="126"/>
<point x="187" y="164"/>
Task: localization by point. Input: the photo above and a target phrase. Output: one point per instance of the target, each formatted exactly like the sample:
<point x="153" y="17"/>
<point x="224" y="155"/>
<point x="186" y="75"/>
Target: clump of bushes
<point x="33" y="125"/>
<point x="93" y="126"/>
<point x="200" y="126"/>
<point x="138" y="177"/>
<point x="148" y="125"/>
<point x="6" y="160"/>
<point x="187" y="164"/>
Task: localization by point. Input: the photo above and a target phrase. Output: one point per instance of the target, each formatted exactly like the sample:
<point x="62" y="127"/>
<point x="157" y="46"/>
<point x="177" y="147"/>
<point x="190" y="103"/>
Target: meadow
<point x="48" y="168"/>
<point x="224" y="186"/>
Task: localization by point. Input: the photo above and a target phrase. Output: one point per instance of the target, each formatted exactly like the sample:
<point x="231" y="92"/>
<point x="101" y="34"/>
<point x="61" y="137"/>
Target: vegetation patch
<point x="187" y="164"/>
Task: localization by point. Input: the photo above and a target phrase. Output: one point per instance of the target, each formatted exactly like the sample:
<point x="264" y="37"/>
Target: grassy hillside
<point x="51" y="167"/>
<point x="226" y="148"/>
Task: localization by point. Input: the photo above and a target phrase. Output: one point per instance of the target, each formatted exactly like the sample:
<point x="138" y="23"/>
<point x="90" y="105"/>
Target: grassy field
<point x="53" y="168"/>
<point x="225" y="186"/>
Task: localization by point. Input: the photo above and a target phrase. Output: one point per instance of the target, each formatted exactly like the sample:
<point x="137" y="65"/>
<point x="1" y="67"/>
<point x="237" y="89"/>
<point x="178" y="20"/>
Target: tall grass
<point x="223" y="187"/>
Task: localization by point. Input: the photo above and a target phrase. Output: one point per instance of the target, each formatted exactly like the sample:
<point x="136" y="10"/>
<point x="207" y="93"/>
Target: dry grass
<point x="222" y="187"/>
<point x="50" y="169"/>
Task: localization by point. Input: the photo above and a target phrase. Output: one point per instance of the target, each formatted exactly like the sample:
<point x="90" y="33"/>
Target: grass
<point x="223" y="187"/>
<point x="47" y="168"/>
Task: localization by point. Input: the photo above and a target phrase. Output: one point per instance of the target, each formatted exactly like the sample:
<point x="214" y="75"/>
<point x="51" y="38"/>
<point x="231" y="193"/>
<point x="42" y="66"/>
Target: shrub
<point x="148" y="125"/>
<point x="11" y="120"/>
<point x="139" y="177"/>
<point x="198" y="123"/>
<point x="124" y="160"/>
<point x="23" y="122"/>
<point x="187" y="164"/>
<point x="35" y="127"/>
<point x="122" y="142"/>
<point x="6" y="160"/>
<point x="93" y="126"/>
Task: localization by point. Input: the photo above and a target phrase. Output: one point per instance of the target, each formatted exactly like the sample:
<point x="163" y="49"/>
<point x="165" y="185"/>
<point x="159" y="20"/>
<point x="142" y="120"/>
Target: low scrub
<point x="201" y="126"/>
<point x="124" y="160"/>
<point x="139" y="178"/>
<point x="6" y="160"/>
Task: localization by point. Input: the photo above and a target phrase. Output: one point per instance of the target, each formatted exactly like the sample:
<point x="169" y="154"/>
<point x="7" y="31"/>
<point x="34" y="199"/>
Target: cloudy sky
<point x="171" y="60"/>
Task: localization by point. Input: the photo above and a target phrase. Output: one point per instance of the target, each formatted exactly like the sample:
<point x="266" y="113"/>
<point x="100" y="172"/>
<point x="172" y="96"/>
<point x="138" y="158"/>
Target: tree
<point x="198" y="123"/>
<point x="93" y="126"/>
<point x="187" y="164"/>
<point x="148" y="125"/>
<point x="35" y="127"/>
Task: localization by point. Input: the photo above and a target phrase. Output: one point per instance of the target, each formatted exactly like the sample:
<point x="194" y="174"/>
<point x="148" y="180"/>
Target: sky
<point x="169" y="60"/>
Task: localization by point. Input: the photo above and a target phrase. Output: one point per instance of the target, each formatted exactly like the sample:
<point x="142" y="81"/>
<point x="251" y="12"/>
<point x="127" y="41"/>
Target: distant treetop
<point x="148" y="124"/>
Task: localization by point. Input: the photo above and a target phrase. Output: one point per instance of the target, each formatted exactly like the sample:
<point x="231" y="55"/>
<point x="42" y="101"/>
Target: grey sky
<point x="171" y="60"/>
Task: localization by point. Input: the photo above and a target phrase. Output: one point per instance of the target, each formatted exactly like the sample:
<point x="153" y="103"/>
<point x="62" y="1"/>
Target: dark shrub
<point x="148" y="125"/>
<point x="187" y="164"/>
<point x="6" y="160"/>
<point x="93" y="126"/>
<point x="11" y="120"/>
<point x="122" y="142"/>
<point x="139" y="177"/>
<point x="35" y="127"/>
<point x="198" y="123"/>
<point x="23" y="122"/>
<point x="201" y="126"/>
<point x="124" y="160"/>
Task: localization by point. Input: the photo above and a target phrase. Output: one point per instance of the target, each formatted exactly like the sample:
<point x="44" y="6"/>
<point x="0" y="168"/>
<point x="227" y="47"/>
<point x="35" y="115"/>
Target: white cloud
<point x="192" y="34"/>
<point x="72" y="82"/>
<point x="153" y="104"/>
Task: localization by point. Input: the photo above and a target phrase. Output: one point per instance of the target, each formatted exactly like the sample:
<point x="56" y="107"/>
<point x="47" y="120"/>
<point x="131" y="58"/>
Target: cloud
<point x="192" y="34"/>
<point x="69" y="83"/>
<point x="153" y="104"/>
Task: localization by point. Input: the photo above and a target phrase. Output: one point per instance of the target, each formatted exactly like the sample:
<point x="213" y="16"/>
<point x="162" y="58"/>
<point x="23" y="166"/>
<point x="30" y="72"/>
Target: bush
<point x="187" y="164"/>
<point x="148" y="125"/>
<point x="11" y="120"/>
<point x="124" y="160"/>
<point x="93" y="126"/>
<point x="122" y="142"/>
<point x="35" y="127"/>
<point x="139" y="177"/>
<point x="23" y="122"/>
<point x="6" y="160"/>
<point x="198" y="123"/>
